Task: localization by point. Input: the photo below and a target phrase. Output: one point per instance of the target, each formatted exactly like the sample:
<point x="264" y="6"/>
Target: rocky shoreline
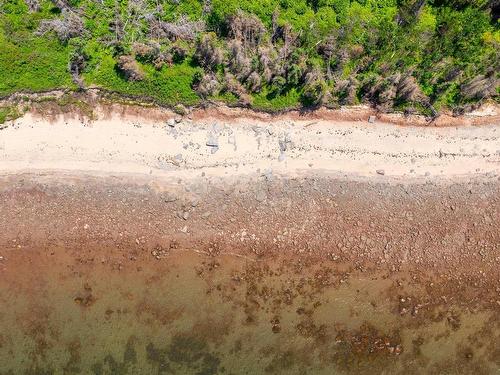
<point x="447" y="231"/>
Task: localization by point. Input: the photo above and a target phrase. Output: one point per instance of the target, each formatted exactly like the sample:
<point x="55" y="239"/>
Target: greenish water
<point x="191" y="314"/>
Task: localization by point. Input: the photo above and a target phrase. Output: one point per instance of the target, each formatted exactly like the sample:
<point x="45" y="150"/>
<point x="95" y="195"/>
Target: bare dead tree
<point x="33" y="5"/>
<point x="68" y="26"/>
<point x="75" y="67"/>
<point x="138" y="12"/>
<point x="248" y="29"/>
<point x="130" y="69"/>
<point x="289" y="42"/>
<point x="117" y="26"/>
<point x="236" y="88"/>
<point x="63" y="5"/>
<point x="207" y="6"/>
<point x="208" y="86"/>
<point x="346" y="90"/>
<point x="267" y="62"/>
<point x="182" y="29"/>
<point x="480" y="87"/>
<point x="410" y="11"/>
<point x="408" y="89"/>
<point x="327" y="49"/>
<point x="254" y="82"/>
<point x="207" y="52"/>
<point x="148" y="52"/>
<point x="274" y="26"/>
<point x="239" y="63"/>
<point x="315" y="86"/>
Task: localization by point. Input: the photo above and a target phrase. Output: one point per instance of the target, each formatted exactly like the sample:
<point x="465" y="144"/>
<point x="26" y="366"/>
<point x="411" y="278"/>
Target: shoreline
<point x="110" y="261"/>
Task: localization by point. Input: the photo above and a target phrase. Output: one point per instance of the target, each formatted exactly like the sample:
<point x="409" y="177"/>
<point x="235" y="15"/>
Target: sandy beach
<point x="126" y="141"/>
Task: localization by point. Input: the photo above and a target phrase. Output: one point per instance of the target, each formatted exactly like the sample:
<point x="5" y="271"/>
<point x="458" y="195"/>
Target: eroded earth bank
<point x="214" y="246"/>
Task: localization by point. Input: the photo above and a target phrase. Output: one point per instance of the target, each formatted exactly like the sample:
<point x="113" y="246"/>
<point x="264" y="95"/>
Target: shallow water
<point x="192" y="314"/>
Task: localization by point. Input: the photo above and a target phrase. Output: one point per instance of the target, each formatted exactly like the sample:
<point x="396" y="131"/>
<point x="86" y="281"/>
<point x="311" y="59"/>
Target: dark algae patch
<point x="213" y="335"/>
<point x="186" y="352"/>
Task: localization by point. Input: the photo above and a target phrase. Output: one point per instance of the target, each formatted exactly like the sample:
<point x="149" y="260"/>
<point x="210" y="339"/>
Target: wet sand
<point x="117" y="256"/>
<point x="131" y="274"/>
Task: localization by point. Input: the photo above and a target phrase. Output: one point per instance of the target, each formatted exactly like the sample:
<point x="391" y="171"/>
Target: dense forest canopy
<point x="412" y="55"/>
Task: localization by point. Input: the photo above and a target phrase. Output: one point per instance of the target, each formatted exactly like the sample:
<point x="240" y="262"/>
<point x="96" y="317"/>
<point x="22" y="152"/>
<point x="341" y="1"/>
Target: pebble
<point x="260" y="196"/>
<point x="195" y="202"/>
<point x="212" y="141"/>
<point x="171" y="122"/>
<point x="380" y="172"/>
<point x="282" y="145"/>
<point x="371" y="119"/>
<point x="168" y="198"/>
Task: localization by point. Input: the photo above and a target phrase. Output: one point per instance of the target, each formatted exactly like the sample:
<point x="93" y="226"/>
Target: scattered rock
<point x="256" y="129"/>
<point x="380" y="172"/>
<point x="183" y="215"/>
<point x="169" y="198"/>
<point x="171" y="122"/>
<point x="159" y="252"/>
<point x="372" y="119"/>
<point x="212" y="141"/>
<point x="282" y="145"/>
<point x="260" y="195"/>
<point x="195" y="201"/>
<point x="276" y="326"/>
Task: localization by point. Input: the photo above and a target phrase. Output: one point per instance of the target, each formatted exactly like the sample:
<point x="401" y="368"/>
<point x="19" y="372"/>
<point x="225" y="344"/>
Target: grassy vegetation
<point x="28" y="62"/>
<point x="273" y="55"/>
<point x="8" y="113"/>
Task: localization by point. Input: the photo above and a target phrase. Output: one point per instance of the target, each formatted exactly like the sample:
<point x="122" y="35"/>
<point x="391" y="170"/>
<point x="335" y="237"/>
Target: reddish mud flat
<point x="248" y="275"/>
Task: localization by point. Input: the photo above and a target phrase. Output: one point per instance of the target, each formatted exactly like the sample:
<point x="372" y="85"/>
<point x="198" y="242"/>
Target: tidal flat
<point x="256" y="275"/>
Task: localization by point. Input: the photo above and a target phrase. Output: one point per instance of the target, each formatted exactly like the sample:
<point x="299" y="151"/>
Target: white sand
<point x="116" y="144"/>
